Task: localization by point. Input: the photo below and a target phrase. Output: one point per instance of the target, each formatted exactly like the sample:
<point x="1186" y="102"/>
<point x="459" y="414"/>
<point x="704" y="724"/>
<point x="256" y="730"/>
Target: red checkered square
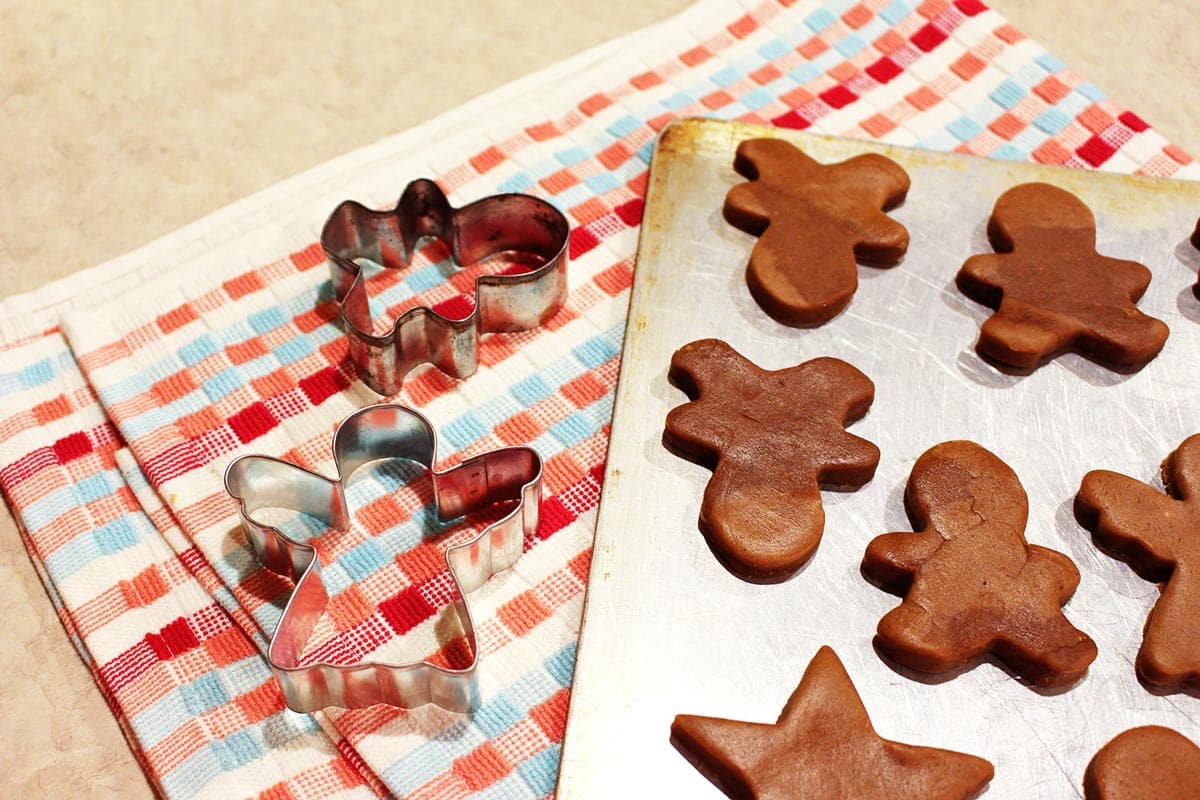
<point x="743" y="27"/>
<point x="244" y="284"/>
<point x="646" y="80"/>
<point x="482" y="768"/>
<point x="1095" y="151"/>
<point x="486" y="160"/>
<point x="884" y="70"/>
<point x="839" y="97"/>
<point x="929" y="37"/>
<point x="252" y="422"/>
<point x="697" y="55"/>
<point x="176" y="318"/>
<point x="308" y="258"/>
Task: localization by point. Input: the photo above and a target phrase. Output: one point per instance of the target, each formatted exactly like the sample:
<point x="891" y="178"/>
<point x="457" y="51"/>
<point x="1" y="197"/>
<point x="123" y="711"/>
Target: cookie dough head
<point x="957" y="485"/>
<point x="1037" y="215"/>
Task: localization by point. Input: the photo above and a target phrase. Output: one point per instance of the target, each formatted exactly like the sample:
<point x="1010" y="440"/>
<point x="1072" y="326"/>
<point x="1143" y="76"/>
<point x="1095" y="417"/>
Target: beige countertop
<point x="124" y="121"/>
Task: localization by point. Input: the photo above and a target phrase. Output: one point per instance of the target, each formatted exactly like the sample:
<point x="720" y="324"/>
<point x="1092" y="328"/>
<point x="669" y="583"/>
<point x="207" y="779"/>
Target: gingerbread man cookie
<point x="1147" y="763"/>
<point x="1159" y="536"/>
<point x="972" y="585"/>
<point x="813" y="221"/>
<point x="1052" y="291"/>
<point x="772" y="439"/>
<point x="823" y="748"/>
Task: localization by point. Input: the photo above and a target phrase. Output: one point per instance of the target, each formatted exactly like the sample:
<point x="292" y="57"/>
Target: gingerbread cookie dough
<point x="1052" y="291"/>
<point x="1158" y="535"/>
<point x="823" y="748"/>
<point x="772" y="439"/>
<point x="972" y="585"/>
<point x="813" y="222"/>
<point x="1147" y="763"/>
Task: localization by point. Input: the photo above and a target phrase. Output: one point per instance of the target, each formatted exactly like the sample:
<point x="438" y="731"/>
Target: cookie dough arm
<point x="892" y="560"/>
<point x="1181" y="469"/>
<point x="875" y="178"/>
<point x="693" y="432"/>
<point x="979" y="279"/>
<point x="851" y="464"/>
<point x="1131" y="520"/>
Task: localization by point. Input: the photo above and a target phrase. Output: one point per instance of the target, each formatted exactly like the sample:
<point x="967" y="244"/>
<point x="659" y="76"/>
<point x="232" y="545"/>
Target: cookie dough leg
<point x="1129" y="340"/>
<point x="913" y="636"/>
<point x="1051" y="653"/>
<point x="1012" y="339"/>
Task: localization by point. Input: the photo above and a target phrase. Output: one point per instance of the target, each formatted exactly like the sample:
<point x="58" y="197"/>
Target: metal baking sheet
<point x="668" y="630"/>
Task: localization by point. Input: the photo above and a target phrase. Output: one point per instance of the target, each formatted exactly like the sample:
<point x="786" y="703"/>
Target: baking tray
<point x="668" y="630"/>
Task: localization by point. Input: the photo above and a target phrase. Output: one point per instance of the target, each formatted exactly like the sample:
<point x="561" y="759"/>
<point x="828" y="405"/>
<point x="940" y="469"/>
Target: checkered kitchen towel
<point x="212" y="359"/>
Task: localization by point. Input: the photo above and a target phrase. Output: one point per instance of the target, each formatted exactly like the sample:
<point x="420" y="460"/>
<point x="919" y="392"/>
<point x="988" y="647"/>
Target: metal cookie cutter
<point x="504" y="223"/>
<point x="373" y="433"/>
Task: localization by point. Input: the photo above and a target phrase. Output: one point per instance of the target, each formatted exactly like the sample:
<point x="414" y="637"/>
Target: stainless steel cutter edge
<point x="376" y="432"/>
<point x="492" y="225"/>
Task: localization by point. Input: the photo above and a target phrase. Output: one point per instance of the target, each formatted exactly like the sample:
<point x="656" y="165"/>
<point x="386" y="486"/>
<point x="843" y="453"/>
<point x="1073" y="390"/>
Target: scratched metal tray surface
<point x="667" y="630"/>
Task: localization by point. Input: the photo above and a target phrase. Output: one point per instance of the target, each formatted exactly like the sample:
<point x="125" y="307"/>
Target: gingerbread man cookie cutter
<point x="503" y="223"/>
<point x="383" y="431"/>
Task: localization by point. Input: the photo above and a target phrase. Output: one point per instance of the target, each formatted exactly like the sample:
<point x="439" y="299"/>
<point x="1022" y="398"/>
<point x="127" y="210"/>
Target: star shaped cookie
<point x="814" y="222"/>
<point x="823" y="747"/>
<point x="1159" y="536"/>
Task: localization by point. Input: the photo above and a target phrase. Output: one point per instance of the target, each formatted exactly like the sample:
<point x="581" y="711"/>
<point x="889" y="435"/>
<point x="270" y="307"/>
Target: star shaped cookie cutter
<point x="503" y="223"/>
<point x="387" y="430"/>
